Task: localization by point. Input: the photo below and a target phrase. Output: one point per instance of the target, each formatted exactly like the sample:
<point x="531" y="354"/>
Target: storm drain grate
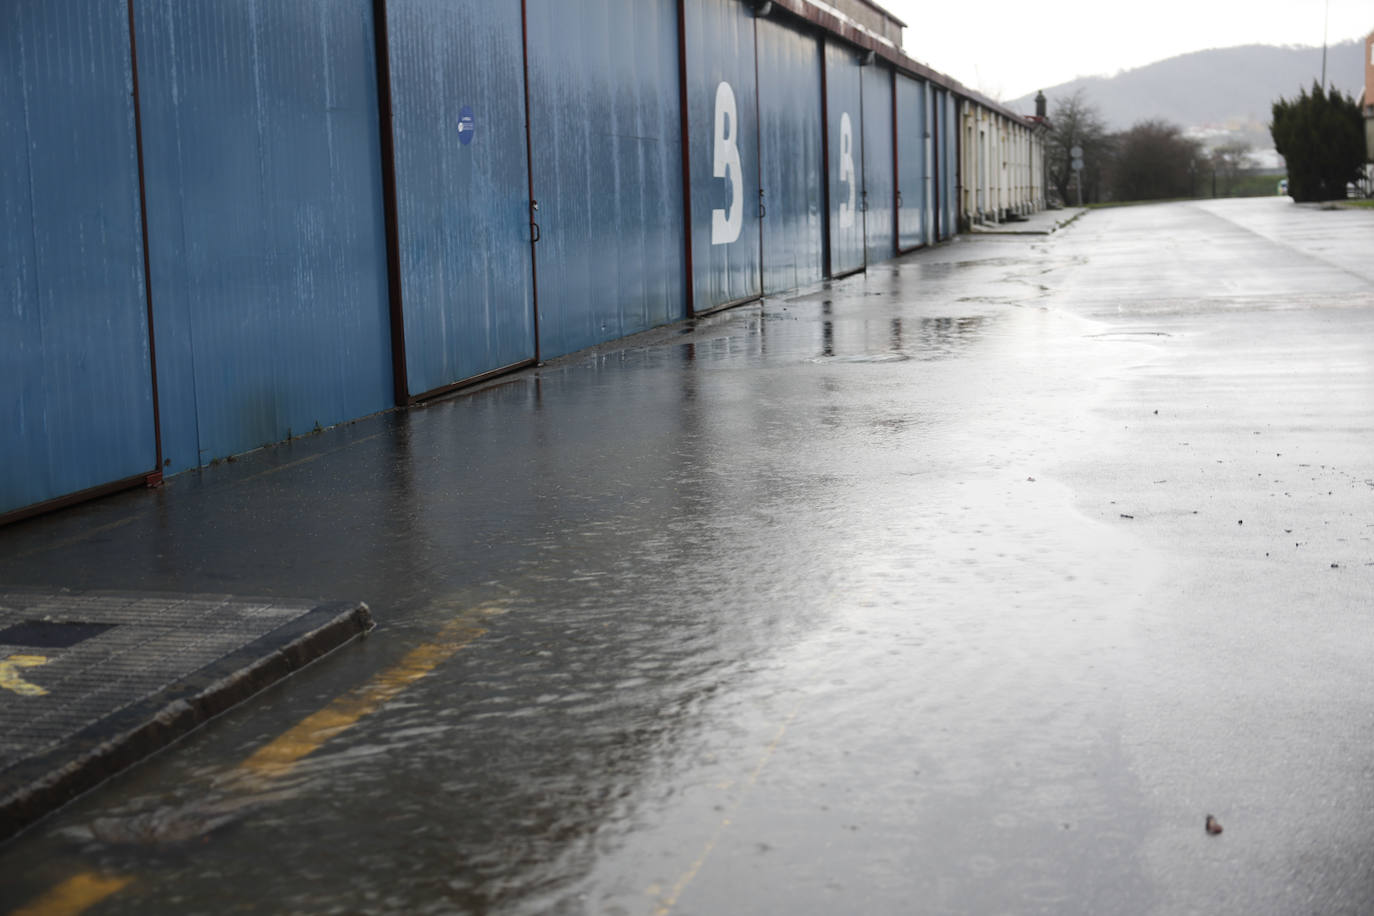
<point x="51" y="634"/>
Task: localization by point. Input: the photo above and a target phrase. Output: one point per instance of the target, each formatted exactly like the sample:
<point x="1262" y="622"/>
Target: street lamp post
<point x="1077" y="164"/>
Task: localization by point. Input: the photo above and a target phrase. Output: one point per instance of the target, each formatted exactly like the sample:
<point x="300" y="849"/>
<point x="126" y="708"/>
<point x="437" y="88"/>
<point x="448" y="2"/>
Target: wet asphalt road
<point x="971" y="585"/>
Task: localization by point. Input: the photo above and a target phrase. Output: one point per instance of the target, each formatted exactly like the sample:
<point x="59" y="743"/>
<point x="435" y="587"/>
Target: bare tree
<point x="1154" y="161"/>
<point x="1074" y="121"/>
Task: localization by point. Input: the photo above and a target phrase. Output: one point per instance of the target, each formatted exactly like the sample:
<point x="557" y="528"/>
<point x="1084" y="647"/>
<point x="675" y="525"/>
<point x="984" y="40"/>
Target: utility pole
<point x="1077" y="164"/>
<point x="1325" y="22"/>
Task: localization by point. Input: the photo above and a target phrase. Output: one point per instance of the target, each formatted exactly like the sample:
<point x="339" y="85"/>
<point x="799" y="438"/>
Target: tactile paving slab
<point x="91" y="682"/>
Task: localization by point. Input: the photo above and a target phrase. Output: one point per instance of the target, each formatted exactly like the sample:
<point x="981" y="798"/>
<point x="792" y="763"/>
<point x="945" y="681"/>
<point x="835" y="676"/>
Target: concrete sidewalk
<point x="979" y="579"/>
<point x="92" y="682"/>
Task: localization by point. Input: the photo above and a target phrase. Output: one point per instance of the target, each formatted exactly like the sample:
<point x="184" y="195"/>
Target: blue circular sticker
<point x="466" y="126"/>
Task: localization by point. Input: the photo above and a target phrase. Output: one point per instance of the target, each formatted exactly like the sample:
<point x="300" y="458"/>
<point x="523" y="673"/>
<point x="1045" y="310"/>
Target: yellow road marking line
<point x="276" y="758"/>
<point x="10" y="679"/>
<point x="75" y="895"/>
<point x="667" y="903"/>
<point x="280" y="755"/>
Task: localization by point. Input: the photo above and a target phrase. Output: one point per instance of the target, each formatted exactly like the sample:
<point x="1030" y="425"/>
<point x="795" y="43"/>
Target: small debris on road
<point x="1213" y="825"/>
<point x="1124" y="515"/>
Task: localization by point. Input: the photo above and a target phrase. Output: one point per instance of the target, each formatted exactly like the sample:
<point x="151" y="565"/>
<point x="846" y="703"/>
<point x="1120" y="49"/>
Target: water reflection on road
<point x="801" y="611"/>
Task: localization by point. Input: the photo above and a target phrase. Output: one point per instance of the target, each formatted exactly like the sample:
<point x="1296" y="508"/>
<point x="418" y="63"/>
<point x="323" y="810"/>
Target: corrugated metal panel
<point x="911" y="162"/>
<point x="793" y="165"/>
<point x="605" y="124"/>
<point x="76" y="398"/>
<point x="723" y="144"/>
<point x="462" y="187"/>
<point x="844" y="171"/>
<point x="265" y="219"/>
<point x="949" y="145"/>
<point x="880" y="217"/>
<point x="932" y="195"/>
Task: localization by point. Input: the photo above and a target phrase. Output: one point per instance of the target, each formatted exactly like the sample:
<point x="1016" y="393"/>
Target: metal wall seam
<point x="951" y="174"/>
<point x="155" y="478"/>
<point x="896" y="172"/>
<point x="395" y="293"/>
<point x="529" y="176"/>
<point x="689" y="256"/>
<point x="826" y="156"/>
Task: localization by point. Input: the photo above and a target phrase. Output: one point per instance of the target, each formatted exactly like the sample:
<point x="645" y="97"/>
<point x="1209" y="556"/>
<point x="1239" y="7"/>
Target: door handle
<point x="535" y="232"/>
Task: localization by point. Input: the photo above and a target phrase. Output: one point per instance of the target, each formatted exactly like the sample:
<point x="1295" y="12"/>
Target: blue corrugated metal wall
<point x="844" y="170"/>
<point x="462" y="187"/>
<point x="792" y="158"/>
<point x="723" y="144"/>
<point x="880" y="218"/>
<point x="76" y="397"/>
<point x="911" y="163"/>
<point x="606" y="133"/>
<point x="265" y="219"/>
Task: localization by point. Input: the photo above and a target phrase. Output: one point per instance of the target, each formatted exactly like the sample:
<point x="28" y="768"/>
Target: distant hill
<point x="1220" y="94"/>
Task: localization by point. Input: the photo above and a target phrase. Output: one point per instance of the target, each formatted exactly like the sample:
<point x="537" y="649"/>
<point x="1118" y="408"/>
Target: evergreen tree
<point x="1321" y="137"/>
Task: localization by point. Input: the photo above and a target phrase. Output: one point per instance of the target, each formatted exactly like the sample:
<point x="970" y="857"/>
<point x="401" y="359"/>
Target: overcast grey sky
<point x="1008" y="49"/>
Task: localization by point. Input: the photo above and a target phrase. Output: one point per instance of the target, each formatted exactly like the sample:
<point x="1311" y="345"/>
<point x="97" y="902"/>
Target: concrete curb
<point x="1070" y="221"/>
<point x="39" y="785"/>
<point x="1003" y="230"/>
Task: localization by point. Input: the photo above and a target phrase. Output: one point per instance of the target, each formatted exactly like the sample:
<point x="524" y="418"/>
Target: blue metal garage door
<point x="912" y="182"/>
<point x="265" y="219"/>
<point x="792" y="157"/>
<point x="462" y="187"/>
<point x="844" y="170"/>
<point x="606" y="135"/>
<point x="723" y="149"/>
<point x="880" y="191"/>
<point x="76" y="398"/>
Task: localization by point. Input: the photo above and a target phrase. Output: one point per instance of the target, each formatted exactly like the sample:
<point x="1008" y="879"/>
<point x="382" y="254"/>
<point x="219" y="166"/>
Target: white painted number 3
<point x="847" y="170"/>
<point x="726" y="224"/>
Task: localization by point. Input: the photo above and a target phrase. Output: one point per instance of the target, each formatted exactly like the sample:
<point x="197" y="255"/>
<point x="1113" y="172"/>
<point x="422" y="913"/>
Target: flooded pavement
<point x="971" y="585"/>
